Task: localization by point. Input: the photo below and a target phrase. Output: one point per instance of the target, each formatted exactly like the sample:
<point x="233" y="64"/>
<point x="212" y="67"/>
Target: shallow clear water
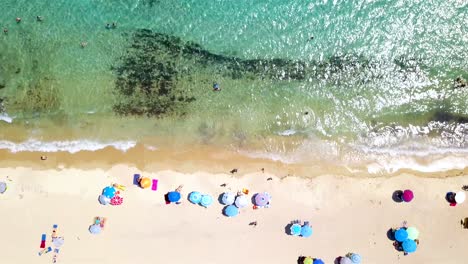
<point x="380" y="76"/>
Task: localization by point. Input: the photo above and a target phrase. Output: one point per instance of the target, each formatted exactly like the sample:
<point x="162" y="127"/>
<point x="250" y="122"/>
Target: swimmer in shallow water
<point x="5" y="30"/>
<point x="216" y="87"/>
<point x="83" y="44"/>
<point x="18" y="19"/>
<point x="39" y="18"/>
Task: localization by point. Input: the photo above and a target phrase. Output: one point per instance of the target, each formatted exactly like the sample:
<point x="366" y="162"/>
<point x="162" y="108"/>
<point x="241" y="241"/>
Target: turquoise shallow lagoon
<point x="378" y="80"/>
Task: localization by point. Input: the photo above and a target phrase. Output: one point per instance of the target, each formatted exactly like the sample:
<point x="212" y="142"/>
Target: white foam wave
<point x="72" y="146"/>
<point x="392" y="165"/>
<point x="6" y="118"/>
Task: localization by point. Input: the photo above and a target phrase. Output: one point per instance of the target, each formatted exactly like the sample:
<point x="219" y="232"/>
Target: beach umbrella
<point x="308" y="260"/>
<point x="460" y="197"/>
<point x="401" y="235"/>
<point x="117" y="200"/>
<point x="409" y="246"/>
<point x="295" y="229"/>
<point x="145" y="182"/>
<point x="318" y="261"/>
<point x="195" y="197"/>
<point x="231" y="211"/>
<point x="104" y="200"/>
<point x="306" y="231"/>
<point x="173" y="197"/>
<point x="206" y="200"/>
<point x="262" y="199"/>
<point x="345" y="260"/>
<point x="58" y="242"/>
<point x="3" y="187"/>
<point x="413" y="233"/>
<point x="408" y="196"/>
<point x="109" y="192"/>
<point x="355" y="258"/>
<point x="228" y="198"/>
<point x="95" y="229"/>
<point x="241" y="201"/>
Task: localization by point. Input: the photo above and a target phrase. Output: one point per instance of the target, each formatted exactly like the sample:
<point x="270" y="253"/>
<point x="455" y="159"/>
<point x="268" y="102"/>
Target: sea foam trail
<point x="72" y="146"/>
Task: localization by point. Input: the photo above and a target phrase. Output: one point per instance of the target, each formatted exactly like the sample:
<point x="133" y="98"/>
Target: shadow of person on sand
<point x="397" y="196"/>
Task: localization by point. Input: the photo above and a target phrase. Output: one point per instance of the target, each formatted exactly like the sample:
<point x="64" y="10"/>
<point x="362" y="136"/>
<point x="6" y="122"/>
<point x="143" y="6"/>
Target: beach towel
<point x="136" y="178"/>
<point x="43" y="241"/>
<point x="45" y="251"/>
<point x="155" y="185"/>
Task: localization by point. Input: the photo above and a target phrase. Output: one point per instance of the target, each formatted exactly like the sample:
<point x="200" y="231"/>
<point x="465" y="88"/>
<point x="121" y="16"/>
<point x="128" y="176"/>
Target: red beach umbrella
<point x="408" y="196"/>
<point x="117" y="200"/>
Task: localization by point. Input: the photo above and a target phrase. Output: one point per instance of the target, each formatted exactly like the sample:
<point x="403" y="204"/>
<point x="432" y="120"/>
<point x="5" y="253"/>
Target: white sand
<point x="347" y="215"/>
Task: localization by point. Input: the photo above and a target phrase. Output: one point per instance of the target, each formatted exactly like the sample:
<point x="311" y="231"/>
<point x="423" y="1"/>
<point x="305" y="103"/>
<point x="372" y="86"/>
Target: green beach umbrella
<point x="308" y="260"/>
<point x="413" y="233"/>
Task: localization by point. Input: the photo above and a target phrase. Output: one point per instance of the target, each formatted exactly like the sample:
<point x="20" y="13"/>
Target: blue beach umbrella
<point x="173" y="197"/>
<point x="401" y="235"/>
<point x="355" y="258"/>
<point x="409" y="246"/>
<point x="109" y="192"/>
<point x="195" y="197"/>
<point x="228" y="198"/>
<point x="318" y="261"/>
<point x="206" y="200"/>
<point x="95" y="229"/>
<point x="306" y="231"/>
<point x="231" y="211"/>
<point x="295" y="229"/>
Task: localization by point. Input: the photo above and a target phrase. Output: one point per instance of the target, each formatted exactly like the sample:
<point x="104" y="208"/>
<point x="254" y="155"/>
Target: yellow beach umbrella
<point x="145" y="182"/>
<point x="308" y="260"/>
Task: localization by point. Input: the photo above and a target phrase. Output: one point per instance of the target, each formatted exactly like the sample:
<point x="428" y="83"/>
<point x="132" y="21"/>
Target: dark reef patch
<point x="148" y="74"/>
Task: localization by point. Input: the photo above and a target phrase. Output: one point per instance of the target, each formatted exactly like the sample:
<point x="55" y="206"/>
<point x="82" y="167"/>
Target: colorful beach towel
<point x="155" y="185"/>
<point x="136" y="178"/>
<point x="43" y="241"/>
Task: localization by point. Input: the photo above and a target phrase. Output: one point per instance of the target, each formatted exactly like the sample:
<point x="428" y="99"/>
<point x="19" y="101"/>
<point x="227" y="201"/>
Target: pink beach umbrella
<point x="408" y="196"/>
<point x="117" y="200"/>
<point x="262" y="199"/>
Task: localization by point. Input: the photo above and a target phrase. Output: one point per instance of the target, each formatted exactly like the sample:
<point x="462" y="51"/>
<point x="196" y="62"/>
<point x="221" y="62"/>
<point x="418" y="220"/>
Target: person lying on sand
<point x="43" y="157"/>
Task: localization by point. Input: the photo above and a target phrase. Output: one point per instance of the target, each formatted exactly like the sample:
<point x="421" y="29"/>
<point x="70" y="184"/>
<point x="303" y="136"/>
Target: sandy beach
<point x="346" y="214"/>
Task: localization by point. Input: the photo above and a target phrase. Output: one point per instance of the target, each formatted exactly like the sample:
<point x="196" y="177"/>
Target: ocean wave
<point x="392" y="165"/>
<point x="6" y="118"/>
<point x="72" y="146"/>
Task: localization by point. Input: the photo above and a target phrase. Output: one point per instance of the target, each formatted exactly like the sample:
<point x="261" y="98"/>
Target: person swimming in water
<point x="18" y="19"/>
<point x="216" y="87"/>
<point x="39" y="18"/>
<point x="5" y="30"/>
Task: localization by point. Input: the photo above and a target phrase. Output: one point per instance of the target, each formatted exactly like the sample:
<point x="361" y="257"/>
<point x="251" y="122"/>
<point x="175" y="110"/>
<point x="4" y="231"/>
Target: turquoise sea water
<point x="379" y="78"/>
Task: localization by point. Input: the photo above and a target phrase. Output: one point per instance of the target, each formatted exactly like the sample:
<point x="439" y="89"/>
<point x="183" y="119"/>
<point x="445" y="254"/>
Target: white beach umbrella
<point x="460" y="197"/>
<point x="228" y="198"/>
<point x="241" y="201"/>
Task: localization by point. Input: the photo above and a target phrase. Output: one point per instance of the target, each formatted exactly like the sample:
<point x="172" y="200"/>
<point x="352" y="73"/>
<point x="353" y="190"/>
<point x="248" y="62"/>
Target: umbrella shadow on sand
<point x="287" y="229"/>
<point x="252" y="199"/>
<point x="300" y="260"/>
<point x="391" y="234"/>
<point x="220" y="198"/>
<point x="397" y="196"/>
<point x="337" y="260"/>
